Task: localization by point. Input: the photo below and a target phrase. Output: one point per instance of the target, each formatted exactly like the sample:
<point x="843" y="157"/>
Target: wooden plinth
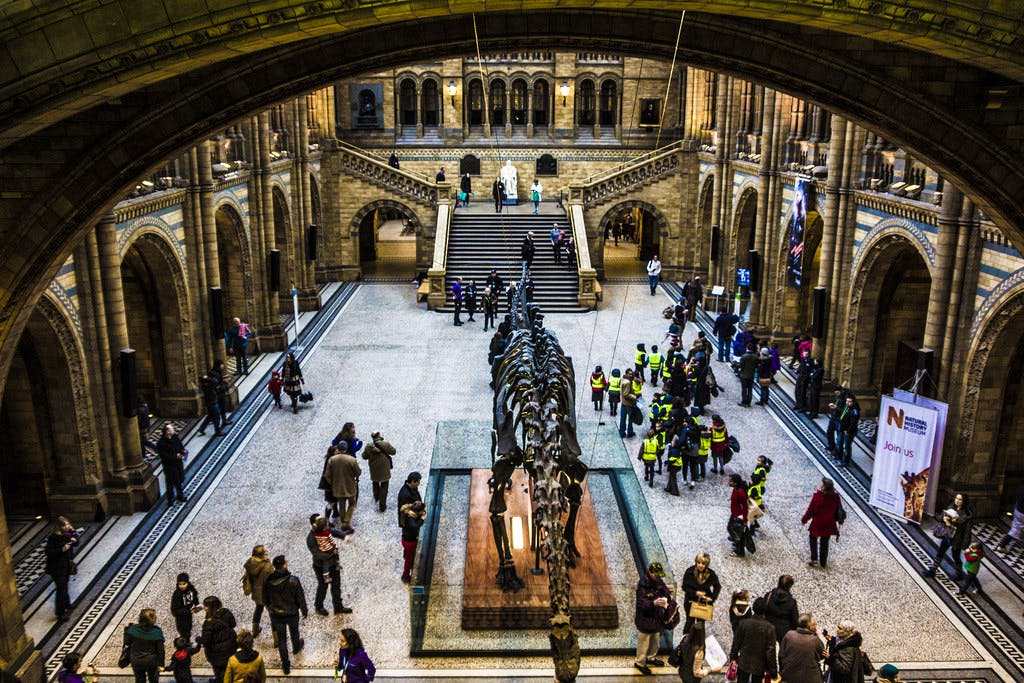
<point x="486" y="606"/>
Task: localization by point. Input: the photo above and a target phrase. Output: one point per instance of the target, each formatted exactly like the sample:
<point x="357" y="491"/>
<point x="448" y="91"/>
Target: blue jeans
<point x="625" y="420"/>
<point x="652" y="280"/>
<point x="845" y="448"/>
<point x="724" y="345"/>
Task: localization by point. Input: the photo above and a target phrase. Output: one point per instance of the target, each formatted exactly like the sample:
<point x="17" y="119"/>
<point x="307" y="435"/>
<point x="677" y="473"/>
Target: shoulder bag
<point x="126" y="650"/>
<point x="700" y="609"/>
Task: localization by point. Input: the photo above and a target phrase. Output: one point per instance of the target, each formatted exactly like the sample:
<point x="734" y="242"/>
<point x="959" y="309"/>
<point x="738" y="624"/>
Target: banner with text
<point x="942" y="410"/>
<point x="903" y="458"/>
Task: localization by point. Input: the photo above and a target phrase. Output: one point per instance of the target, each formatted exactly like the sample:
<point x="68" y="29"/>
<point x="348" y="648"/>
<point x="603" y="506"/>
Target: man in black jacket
<point x="218" y="635"/>
<point x="326" y="566"/>
<point x="284" y="598"/>
<point x="725" y="330"/>
<point x="409" y="493"/>
<point x="208" y="385"/>
<point x="527" y="249"/>
<point x="753" y="647"/>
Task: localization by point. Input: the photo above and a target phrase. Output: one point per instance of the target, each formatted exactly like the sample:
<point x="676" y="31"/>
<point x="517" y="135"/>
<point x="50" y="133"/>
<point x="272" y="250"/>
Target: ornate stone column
<point x="938" y="317"/>
<point x="309" y="295"/>
<point x="270" y="330"/>
<point x="419" y="112"/>
<point x="508" y="112"/>
<point x="761" y="222"/>
<point x="836" y="148"/>
<point x="209" y="244"/>
<point x="958" y="293"/>
<point x="529" y="112"/>
<point x="138" y="490"/>
<point x="17" y="649"/>
<point x="192" y="215"/>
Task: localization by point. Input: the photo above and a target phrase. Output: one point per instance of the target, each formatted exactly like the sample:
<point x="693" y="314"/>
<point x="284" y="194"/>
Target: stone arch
<point x="890" y="261"/>
<point x="792" y="306"/>
<point x="150" y="225"/>
<point x="284" y="241"/>
<point x="363" y="231"/>
<point x="650" y="240"/>
<point x="237" y="284"/>
<point x="993" y="372"/>
<point x="705" y="219"/>
<point x="159" y="316"/>
<point x="895" y="226"/>
<point x="743" y="226"/>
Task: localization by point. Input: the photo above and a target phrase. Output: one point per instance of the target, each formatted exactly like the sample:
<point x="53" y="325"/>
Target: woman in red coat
<point x="738" y="514"/>
<point x="823" y="513"/>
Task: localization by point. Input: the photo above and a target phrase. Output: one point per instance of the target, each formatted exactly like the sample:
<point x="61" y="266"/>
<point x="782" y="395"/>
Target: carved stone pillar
<point x="269" y="330"/>
<point x="761" y="222"/>
<point x="309" y="295"/>
<point x="192" y="214"/>
<point x="836" y="147"/>
<point x="529" y="112"/>
<point x="209" y="244"/>
<point x="508" y="112"/>
<point x="17" y="649"/>
<point x="938" y="317"/>
<point x="957" y="295"/>
<point x="136" y="488"/>
<point x="419" y="112"/>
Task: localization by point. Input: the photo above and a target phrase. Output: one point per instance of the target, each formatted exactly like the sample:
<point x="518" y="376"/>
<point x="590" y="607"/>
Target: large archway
<point x="285" y="245"/>
<point x="46" y="436"/>
<point x="886" y="328"/>
<point x="742" y="237"/>
<point x="388" y="234"/>
<point x="234" y="265"/>
<point x="705" y="219"/>
<point x="631" y="234"/>
<point x="156" y="308"/>
<point x="989" y="440"/>
<point x="955" y="132"/>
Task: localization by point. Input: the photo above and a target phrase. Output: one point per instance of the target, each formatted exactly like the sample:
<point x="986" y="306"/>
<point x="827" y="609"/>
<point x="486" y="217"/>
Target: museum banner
<point x="940" y="437"/>
<point x="903" y="458"/>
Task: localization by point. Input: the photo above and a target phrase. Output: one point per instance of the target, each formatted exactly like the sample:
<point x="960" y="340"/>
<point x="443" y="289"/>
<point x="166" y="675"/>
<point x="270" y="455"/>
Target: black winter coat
<point x="782" y="612"/>
<point x="174" y="467"/>
<point x="406" y="495"/>
<point x="59" y="562"/>
<point x="218" y="636"/>
<point x="753" y="647"/>
<point x="146" y="646"/>
<point x="712" y="587"/>
<point x="844" y="661"/>
<point x="283" y="595"/>
<point x="182" y="601"/>
<point x="650" y="618"/>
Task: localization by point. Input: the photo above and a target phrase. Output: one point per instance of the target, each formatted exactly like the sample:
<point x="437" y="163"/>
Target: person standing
<point x="466" y="188"/>
<point x="746" y="371"/>
<point x="823" y="514"/>
<point x="803" y="378"/>
<point x="701" y="585"/>
<point x="719" y="444"/>
<point x="379" y="454"/>
<point x="973" y="556"/>
<point x="764" y="375"/>
<point x="413" y="515"/>
<point x="246" y="665"/>
<point x="653" y="273"/>
<point x="60" y="564"/>
<point x="676" y="448"/>
<point x="146" y="648"/>
<point x="780" y="607"/>
<point x="556" y="237"/>
<point x="218" y="373"/>
<point x="598" y="385"/>
<point x="409" y="493"/>
<point x="326" y="564"/>
<point x="218" y="635"/>
<point x="849" y="421"/>
<point x="285" y="600"/>
<point x="208" y="387"/>
<point x="497" y="190"/>
<point x="172" y="458"/>
<point x="526" y="252"/>
<point x="184" y="603"/>
<point x="844" y="658"/>
<point x="393" y="163"/>
<point x="652" y="601"/>
<point x="753" y="647"/>
<point x="457" y="295"/>
<point x="536" y="190"/>
<point x="353" y="665"/>
<point x="954" y="532"/>
<point x="256" y="570"/>
<point x="439" y="178"/>
<point x="649" y="456"/>
<point x="239" y="335"/>
<point x="628" y="396"/>
<point x="495" y="282"/>
<point x="342" y="474"/>
<point x="694" y="295"/>
<point x="738" y="508"/>
<point x="291" y="374"/>
<point x="469" y="294"/>
<point x="614" y="391"/>
<point x="724" y="330"/>
<point x="490" y="306"/>
<point x="802" y="652"/>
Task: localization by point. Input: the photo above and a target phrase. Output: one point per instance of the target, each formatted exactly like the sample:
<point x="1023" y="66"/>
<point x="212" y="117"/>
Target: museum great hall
<point x="841" y="169"/>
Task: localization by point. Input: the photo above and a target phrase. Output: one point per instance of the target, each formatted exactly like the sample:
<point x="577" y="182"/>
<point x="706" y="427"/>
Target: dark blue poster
<point x="795" y="255"/>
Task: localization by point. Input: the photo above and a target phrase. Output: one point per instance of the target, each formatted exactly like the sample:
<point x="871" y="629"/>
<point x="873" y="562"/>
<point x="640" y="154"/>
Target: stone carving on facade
<point x="898" y="226"/>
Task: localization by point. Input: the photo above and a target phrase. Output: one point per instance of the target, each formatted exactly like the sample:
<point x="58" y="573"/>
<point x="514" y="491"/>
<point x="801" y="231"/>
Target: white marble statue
<point x="510" y="181"/>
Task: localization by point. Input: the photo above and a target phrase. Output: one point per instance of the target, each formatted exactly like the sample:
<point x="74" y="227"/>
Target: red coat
<point x="738" y="503"/>
<point x="822" y="513"/>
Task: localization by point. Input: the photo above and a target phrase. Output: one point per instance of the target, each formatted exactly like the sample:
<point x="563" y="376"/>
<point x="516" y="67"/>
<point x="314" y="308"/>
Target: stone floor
<point x="388" y="365"/>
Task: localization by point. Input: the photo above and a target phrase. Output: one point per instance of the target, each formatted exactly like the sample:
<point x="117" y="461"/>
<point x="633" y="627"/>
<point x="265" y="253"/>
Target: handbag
<point x="940" y="531"/>
<point x="765" y="381"/>
<point x="841" y="512"/>
<point x="306" y="396"/>
<point x="866" y="667"/>
<point x="126" y="650"/>
<point x="730" y="675"/>
<point x="672" y="616"/>
<point x="754" y="510"/>
<point x="699" y="609"/>
<point x="748" y="541"/>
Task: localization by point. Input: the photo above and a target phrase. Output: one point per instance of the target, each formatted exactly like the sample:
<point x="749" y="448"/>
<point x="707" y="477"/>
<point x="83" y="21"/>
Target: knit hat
<point x="888" y="671"/>
<point x="183" y="578"/>
<point x="275" y="373"/>
<point x="656" y="569"/>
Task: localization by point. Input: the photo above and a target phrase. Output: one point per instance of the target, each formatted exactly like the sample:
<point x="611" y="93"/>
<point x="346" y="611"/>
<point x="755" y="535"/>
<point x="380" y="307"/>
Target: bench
<point x="422" y="291"/>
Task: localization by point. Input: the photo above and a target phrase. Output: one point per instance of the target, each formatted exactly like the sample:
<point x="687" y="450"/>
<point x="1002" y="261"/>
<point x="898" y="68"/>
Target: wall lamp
<point x="452" y="89"/>
<point x="564" y="89"/>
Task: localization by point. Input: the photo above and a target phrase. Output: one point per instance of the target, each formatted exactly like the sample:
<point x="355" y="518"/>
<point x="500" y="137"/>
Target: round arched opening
<point x="285" y="245"/>
<point x="631" y="237"/>
<point x="233" y="260"/>
<point x="387" y="242"/>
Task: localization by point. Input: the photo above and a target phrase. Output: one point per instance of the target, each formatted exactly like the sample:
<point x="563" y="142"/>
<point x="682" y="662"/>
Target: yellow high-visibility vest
<point x="650" y="451"/>
<point x="615" y="384"/>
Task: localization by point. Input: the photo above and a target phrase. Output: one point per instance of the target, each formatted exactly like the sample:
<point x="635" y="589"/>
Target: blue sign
<point x="742" y="277"/>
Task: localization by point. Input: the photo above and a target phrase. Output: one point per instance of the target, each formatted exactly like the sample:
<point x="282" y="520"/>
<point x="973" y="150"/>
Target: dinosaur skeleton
<point x="535" y="427"/>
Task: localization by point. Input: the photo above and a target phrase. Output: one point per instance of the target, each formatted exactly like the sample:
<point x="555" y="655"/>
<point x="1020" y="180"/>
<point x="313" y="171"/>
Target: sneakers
<point x="642" y="668"/>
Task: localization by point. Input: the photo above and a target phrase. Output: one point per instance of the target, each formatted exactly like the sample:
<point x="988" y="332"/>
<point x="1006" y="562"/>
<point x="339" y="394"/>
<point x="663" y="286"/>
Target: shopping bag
<point x="714" y="655"/>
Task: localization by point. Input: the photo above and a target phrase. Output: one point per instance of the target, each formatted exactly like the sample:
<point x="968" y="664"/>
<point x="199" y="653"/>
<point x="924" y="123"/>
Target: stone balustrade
<point x="644" y="170"/>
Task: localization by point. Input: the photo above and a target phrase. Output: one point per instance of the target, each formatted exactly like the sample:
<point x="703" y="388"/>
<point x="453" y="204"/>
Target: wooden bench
<point x="423" y="291"/>
<point x="597" y="291"/>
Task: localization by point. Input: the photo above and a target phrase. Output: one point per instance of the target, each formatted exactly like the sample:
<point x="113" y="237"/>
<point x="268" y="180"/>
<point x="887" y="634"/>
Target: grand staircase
<point x="479" y="242"/>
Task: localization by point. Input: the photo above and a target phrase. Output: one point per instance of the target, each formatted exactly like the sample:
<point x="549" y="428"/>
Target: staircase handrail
<point x="373" y="156"/>
<point x="444" y="227"/>
<point x="635" y="161"/>
<point x="579" y="237"/>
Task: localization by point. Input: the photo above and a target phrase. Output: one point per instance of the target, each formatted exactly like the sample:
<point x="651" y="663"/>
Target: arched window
<point x="431" y="103"/>
<point x="585" y="103"/>
<point x="497" y="103"/>
<point x="541" y="102"/>
<point x="518" y="102"/>
<point x="476" y="102"/>
<point x="407" y="102"/>
<point x="609" y="103"/>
